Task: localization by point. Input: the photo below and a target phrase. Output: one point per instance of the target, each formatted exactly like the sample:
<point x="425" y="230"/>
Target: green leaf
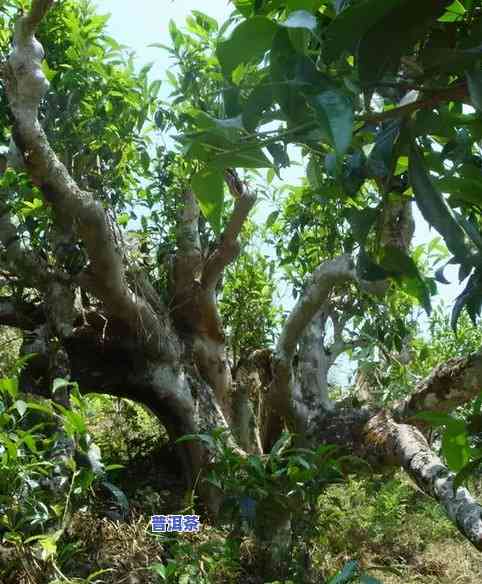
<point x="47" y="71"/>
<point x="368" y="270"/>
<point x="300" y="19"/>
<point x="352" y="23"/>
<point x="462" y="188"/>
<point x="281" y="444"/>
<point x="110" y="467"/>
<point x="245" y="7"/>
<point x="454" y="12"/>
<point x="466" y="472"/>
<point x="434" y="123"/>
<point x="204" y="146"/>
<point x="309" y="5"/>
<point x="380" y="161"/>
<point x="176" y="35"/>
<point x="9" y="385"/>
<point x="397" y="262"/>
<point x="361" y="221"/>
<point x="46" y="409"/>
<point x="383" y="45"/>
<point x="474" y="82"/>
<point x="455" y="447"/>
<point x="59" y="383"/>
<point x="248" y="43"/>
<point x="20" y="406"/>
<point x="354" y="171"/>
<point x="187" y="438"/>
<point x="48" y="543"/>
<point x="118" y="494"/>
<point x="473" y="231"/>
<point x="314" y="173"/>
<point x="75" y="423"/>
<point x="159" y="569"/>
<point x="259" y="100"/>
<point x="434" y="207"/>
<point x="245" y="158"/>
<point x="436" y="419"/>
<point x="231" y="99"/>
<point x="123" y="219"/>
<point x="227" y="128"/>
<point x="206" y="22"/>
<point x="335" y="114"/>
<point x="208" y="186"/>
<point x="289" y="78"/>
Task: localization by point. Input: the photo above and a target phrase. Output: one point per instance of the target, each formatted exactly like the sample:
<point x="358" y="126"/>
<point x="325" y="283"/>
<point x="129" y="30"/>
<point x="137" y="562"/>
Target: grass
<point x="393" y="525"/>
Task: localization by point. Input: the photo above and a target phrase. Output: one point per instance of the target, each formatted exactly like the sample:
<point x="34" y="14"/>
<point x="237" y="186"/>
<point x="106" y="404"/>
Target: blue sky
<point x="140" y="23"/>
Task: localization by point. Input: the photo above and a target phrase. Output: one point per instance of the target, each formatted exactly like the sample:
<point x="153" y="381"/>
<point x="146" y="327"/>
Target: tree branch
<point x="38" y="10"/>
<point x="450" y="385"/>
<point x="26" y="85"/>
<point x="376" y="437"/>
<point x="188" y="265"/>
<point x="457" y="93"/>
<point x="310" y="392"/>
<point x="340" y="344"/>
<point x="228" y="249"/>
<point x="328" y="275"/>
<point x="405" y="445"/>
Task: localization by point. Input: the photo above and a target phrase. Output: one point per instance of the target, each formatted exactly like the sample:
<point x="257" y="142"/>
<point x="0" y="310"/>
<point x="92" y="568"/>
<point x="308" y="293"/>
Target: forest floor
<point x="395" y="532"/>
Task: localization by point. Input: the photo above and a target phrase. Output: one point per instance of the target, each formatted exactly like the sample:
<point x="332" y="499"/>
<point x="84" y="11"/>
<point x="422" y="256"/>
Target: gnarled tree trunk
<point x="173" y="357"/>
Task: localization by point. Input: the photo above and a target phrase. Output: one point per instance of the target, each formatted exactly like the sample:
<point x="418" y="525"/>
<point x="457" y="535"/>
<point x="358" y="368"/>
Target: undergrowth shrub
<point x="49" y="466"/>
<point x="378" y="519"/>
<point x="124" y="430"/>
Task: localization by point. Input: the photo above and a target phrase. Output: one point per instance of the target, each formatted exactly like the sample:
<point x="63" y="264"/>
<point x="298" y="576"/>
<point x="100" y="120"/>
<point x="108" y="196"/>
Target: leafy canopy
<point x="382" y="96"/>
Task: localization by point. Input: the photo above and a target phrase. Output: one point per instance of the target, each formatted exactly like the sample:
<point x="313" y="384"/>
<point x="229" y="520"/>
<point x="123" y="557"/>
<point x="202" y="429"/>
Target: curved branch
<point x="188" y="264"/>
<point x="37" y="12"/>
<point x="450" y="385"/>
<point x="382" y="442"/>
<point x="328" y="275"/>
<point x="310" y="393"/>
<point x="405" y="445"/>
<point x="456" y="93"/>
<point x="26" y="85"/>
<point x="228" y="249"/>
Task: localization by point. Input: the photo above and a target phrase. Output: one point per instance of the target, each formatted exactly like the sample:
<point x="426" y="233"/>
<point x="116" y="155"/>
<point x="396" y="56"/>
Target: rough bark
<point x="406" y="446"/>
<point x="310" y="393"/>
<point x="26" y="85"/>
<point x="175" y="361"/>
<point x="452" y="384"/>
<point x="18" y="314"/>
<point x="323" y="281"/>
